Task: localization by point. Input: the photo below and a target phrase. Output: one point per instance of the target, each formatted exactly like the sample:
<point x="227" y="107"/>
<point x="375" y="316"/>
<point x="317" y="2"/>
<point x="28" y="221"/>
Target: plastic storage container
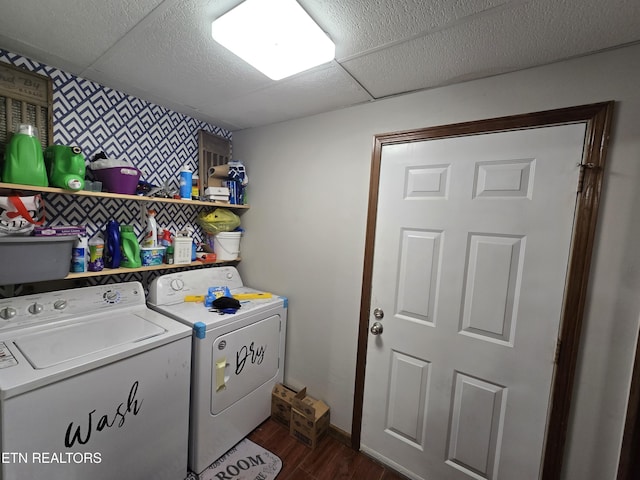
<point x="118" y="179"/>
<point x="34" y="259"/>
<point x="151" y="256"/>
<point x="182" y="250"/>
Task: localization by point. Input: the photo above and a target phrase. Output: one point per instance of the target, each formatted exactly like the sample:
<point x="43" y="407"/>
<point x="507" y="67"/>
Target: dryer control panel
<point x="172" y="288"/>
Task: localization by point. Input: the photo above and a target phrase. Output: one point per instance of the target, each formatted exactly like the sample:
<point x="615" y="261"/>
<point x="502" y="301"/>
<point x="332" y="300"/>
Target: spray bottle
<point x="151" y="233"/>
<point x="164" y="237"/>
<point x="79" y="255"/>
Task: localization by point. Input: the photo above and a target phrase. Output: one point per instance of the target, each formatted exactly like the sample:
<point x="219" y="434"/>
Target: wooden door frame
<point x="598" y="119"/>
<point x="629" y="463"/>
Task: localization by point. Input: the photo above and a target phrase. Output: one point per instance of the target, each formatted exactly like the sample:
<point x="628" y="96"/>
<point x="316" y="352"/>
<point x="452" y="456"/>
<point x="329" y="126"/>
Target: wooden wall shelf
<point x="164" y="266"/>
<point x="120" y="196"/>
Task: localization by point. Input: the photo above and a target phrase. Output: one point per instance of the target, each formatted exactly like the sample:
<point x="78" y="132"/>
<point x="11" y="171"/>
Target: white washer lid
<point x="53" y="346"/>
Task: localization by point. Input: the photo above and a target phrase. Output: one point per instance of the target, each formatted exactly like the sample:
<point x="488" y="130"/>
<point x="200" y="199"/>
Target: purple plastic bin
<point x="118" y="179"/>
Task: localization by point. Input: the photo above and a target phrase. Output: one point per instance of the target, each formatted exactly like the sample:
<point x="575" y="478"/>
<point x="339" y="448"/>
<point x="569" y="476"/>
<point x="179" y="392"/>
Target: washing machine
<point x="93" y="385"/>
<point x="237" y="358"/>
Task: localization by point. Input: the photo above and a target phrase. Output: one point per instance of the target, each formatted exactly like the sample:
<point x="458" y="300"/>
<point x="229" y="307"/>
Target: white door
<point x="472" y="242"/>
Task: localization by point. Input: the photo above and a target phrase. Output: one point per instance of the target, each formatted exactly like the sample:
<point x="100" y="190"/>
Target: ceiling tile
<point x="77" y="31"/>
<point x="173" y="55"/>
<point x="360" y="26"/>
<point x="319" y="90"/>
<point x="527" y="34"/>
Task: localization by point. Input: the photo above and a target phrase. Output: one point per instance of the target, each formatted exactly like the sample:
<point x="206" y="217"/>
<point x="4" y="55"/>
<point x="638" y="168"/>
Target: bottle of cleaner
<point x="112" y="252"/>
<point x="65" y="166"/>
<point x="169" y="255"/>
<point x="185" y="182"/>
<point x="96" y="251"/>
<point x="151" y="234"/>
<point x="130" y="247"/>
<point x="79" y="255"/>
<point x="165" y="237"/>
<point x="195" y="186"/>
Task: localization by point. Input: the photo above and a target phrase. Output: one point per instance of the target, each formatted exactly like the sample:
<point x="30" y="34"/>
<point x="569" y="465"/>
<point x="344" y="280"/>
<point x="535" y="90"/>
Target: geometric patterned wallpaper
<point x="156" y="140"/>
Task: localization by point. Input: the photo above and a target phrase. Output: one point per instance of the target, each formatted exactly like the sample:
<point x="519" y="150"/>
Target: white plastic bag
<point x="19" y="214"/>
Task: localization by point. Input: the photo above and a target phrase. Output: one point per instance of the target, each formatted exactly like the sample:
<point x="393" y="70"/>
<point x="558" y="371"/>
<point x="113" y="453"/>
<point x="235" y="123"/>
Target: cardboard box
<point x="281" y="399"/>
<point x="309" y="420"/>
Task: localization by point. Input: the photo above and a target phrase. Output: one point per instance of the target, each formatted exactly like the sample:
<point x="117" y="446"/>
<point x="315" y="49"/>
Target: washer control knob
<point x="7" y="313"/>
<point x="60" y="304"/>
<point x="177" y="284"/>
<point x="111" y="296"/>
<point x="35" y="308"/>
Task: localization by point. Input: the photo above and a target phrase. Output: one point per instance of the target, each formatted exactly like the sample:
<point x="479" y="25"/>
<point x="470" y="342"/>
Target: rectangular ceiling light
<point x="275" y="36"/>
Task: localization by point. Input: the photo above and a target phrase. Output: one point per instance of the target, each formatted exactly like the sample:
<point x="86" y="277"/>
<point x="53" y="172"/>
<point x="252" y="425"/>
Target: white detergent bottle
<point x="80" y="255"/>
<point x="151" y="232"/>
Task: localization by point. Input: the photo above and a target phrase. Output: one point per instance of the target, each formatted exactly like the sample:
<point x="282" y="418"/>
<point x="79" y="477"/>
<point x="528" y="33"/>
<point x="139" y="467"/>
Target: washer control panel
<point x="67" y="304"/>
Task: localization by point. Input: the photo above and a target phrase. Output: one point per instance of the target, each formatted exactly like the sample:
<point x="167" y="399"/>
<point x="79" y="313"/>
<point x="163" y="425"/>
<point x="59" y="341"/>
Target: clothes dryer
<point x="237" y="358"/>
<point x="93" y="385"/>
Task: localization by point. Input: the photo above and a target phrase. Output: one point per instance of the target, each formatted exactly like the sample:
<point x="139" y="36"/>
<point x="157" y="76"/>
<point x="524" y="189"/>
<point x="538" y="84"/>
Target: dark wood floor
<point x="330" y="460"/>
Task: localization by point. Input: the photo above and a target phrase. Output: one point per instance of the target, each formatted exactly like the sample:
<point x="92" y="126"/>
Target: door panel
<point x="473" y="236"/>
<point x="477" y="417"/>
<point x="243" y="360"/>
<point x="409" y="387"/>
<point x="417" y="288"/>
<point x="492" y="286"/>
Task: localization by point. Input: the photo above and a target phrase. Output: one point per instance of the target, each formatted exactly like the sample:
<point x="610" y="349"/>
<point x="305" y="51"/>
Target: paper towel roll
<point x="216" y="175"/>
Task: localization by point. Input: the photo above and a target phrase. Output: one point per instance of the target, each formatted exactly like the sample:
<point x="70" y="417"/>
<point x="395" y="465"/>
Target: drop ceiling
<point x="162" y="50"/>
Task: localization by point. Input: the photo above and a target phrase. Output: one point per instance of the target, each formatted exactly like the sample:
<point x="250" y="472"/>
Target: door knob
<point x="376" y="328"/>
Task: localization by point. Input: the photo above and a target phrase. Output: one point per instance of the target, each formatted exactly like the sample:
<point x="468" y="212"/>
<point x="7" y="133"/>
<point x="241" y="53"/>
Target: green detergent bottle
<point x="130" y="248"/>
<point x="65" y="166"/>
<point x="23" y="159"/>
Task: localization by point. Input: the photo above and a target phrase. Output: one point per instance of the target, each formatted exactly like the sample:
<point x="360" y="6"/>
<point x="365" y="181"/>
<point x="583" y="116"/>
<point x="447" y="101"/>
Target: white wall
<point x="305" y="233"/>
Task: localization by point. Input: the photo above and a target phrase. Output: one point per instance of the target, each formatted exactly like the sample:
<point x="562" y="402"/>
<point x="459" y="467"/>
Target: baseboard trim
<point x="340" y="435"/>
